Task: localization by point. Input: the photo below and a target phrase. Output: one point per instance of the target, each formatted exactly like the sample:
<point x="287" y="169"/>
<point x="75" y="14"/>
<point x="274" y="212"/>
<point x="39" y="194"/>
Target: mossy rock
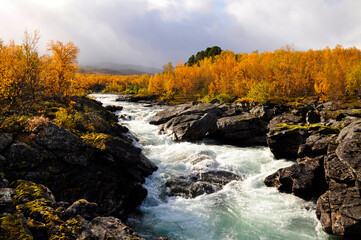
<point x="312" y="128"/>
<point x="28" y="191"/>
<point x="13" y="227"/>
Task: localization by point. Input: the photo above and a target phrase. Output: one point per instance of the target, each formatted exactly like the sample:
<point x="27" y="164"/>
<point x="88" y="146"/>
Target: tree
<point x="61" y="65"/>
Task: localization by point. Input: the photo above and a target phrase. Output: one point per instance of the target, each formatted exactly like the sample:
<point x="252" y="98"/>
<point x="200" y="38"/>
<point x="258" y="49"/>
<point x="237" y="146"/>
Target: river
<point x="244" y="209"/>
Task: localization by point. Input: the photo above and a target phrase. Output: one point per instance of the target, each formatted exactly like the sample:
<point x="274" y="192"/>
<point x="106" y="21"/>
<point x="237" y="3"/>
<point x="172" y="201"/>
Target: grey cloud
<point x="142" y="32"/>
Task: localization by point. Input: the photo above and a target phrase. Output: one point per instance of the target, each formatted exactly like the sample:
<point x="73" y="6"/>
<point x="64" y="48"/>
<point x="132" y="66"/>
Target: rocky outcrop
<point x="39" y="216"/>
<point x="229" y="123"/>
<point x="339" y="208"/>
<point x="103" y="166"/>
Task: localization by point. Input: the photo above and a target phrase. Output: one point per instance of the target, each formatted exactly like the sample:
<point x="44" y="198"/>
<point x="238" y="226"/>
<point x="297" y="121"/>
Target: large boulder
<point x="305" y="179"/>
<point x="286" y="135"/>
<point x="192" y="124"/>
<point x="245" y="129"/>
<point x="200" y="183"/>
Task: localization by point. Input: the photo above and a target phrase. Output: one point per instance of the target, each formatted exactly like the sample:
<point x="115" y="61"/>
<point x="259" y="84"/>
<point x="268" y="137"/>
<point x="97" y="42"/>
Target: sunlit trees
<point x="60" y="67"/>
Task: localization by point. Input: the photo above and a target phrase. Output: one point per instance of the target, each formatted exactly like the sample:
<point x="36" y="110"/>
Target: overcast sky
<point x="154" y="32"/>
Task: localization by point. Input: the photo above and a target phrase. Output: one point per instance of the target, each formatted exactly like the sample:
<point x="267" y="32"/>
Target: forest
<point x="330" y="74"/>
<point x="28" y="79"/>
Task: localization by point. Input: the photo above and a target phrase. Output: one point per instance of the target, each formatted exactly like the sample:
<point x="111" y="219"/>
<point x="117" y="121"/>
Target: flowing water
<point x="244" y="209"/>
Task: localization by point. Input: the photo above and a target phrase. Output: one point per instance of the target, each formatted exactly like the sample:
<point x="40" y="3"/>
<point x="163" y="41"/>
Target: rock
<point x="339" y="211"/>
<point x="6" y="201"/>
<point x="13" y="226"/>
<point x="285" y="136"/>
<point x="113" y="108"/>
<point x="200" y="183"/>
<point x="305" y="179"/>
<point x="349" y="148"/>
<point x="192" y="124"/>
<point x="169" y="113"/>
<point x="110" y="173"/>
<point x="263" y="112"/>
<point x="245" y="129"/>
<point x="112" y="228"/>
<point x="77" y="228"/>
<point x="87" y="210"/>
<point x="62" y="144"/>
<point x="315" y="145"/>
<point x="313" y="117"/>
<point x="339" y="208"/>
<point x="5" y="140"/>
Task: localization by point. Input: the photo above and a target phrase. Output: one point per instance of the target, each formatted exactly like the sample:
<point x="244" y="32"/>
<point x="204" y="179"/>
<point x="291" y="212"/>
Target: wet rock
<point x="113" y="108"/>
<point x="245" y="129"/>
<point x="192" y="124"/>
<point x="200" y="183"/>
<point x="112" y="228"/>
<point x="305" y="179"/>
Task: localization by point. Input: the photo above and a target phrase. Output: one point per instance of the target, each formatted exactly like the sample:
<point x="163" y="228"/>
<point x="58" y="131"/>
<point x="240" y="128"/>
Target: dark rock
<point x="13" y="226"/>
<point x="87" y="210"/>
<point x="4" y="183"/>
<point x="305" y="179"/>
<point x="339" y="208"/>
<point x="245" y="129"/>
<point x="192" y="124"/>
<point x="313" y="117"/>
<point x="62" y="144"/>
<point x="5" y="140"/>
<point x="285" y="136"/>
<point x="113" y="108"/>
<point x="315" y="145"/>
<point x="169" y="113"/>
<point x="112" y="228"/>
<point x="214" y="101"/>
<point x="200" y="183"/>
<point x="339" y="211"/>
<point x="263" y="112"/>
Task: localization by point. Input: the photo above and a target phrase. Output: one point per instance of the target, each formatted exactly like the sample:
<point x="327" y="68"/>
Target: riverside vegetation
<point x="55" y="144"/>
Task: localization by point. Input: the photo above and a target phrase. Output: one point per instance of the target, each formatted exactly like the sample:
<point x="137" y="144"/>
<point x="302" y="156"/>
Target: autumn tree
<point x="60" y="67"/>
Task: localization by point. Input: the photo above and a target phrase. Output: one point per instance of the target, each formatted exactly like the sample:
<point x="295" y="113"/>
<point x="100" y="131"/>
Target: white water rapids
<point x="244" y="209"/>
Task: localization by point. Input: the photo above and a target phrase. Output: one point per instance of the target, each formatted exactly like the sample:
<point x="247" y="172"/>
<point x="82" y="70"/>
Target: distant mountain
<point x="119" y="69"/>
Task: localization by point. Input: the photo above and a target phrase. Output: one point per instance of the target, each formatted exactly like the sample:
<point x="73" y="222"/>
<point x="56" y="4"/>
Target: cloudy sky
<point x="154" y="32"/>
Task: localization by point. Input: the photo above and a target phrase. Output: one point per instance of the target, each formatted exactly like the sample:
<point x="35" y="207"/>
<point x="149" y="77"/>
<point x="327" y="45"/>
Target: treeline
<point x="26" y="78"/>
<point x="285" y="73"/>
<point x="279" y="75"/>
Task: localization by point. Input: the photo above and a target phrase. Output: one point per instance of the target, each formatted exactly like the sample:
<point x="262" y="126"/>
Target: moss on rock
<point x="12" y="227"/>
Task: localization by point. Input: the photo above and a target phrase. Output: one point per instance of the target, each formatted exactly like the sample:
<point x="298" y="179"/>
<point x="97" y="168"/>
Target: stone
<point x="305" y="179"/>
<point x="200" y="183"/>
<point x="245" y="129"/>
<point x="87" y="210"/>
<point x="113" y="108"/>
<point x="105" y="228"/>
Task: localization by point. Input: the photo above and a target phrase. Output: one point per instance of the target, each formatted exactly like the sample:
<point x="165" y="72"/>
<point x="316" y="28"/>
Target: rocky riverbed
<point x="322" y="139"/>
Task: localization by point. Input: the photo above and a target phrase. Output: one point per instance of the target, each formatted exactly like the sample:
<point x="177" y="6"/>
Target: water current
<point x="245" y="209"/>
